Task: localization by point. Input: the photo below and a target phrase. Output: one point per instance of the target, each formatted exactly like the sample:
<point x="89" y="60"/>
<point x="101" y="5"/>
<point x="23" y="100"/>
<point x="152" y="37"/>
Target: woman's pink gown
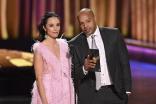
<point x="57" y="80"/>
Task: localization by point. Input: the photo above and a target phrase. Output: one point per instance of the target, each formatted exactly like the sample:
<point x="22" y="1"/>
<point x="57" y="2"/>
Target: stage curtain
<point x="125" y="17"/>
<point x="135" y="19"/>
<point x="3" y="21"/>
<point x="143" y="20"/>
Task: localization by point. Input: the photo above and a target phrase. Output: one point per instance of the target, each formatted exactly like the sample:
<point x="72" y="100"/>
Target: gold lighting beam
<point x="3" y="21"/>
<point x="133" y="19"/>
<point x="125" y="18"/>
<point x="144" y="20"/>
<point x="150" y="21"/>
<point x="138" y="20"/>
<point x="68" y="28"/>
<point x="12" y="16"/>
<point x="111" y="13"/>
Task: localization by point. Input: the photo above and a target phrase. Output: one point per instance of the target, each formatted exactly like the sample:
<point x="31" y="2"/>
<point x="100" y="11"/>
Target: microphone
<point x="72" y="48"/>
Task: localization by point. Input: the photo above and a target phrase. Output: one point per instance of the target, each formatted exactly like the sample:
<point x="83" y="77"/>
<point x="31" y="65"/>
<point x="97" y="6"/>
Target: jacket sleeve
<point x="77" y="69"/>
<point x="124" y="62"/>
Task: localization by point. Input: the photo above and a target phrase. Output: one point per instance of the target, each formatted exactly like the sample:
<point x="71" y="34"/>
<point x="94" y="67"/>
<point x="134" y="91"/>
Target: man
<point x="113" y="84"/>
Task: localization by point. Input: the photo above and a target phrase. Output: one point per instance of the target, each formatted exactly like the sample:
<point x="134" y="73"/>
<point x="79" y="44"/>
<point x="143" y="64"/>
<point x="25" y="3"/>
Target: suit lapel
<point x="84" y="44"/>
<point x="104" y="35"/>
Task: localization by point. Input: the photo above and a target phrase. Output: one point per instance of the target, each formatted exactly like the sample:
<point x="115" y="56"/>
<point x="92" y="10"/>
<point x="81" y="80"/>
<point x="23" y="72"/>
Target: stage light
<point x="19" y="62"/>
<point x="27" y="56"/>
<point x="8" y="57"/>
<point x="26" y="59"/>
<point x="13" y="58"/>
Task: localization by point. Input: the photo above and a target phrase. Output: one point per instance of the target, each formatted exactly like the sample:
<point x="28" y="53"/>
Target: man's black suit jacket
<point x="117" y="62"/>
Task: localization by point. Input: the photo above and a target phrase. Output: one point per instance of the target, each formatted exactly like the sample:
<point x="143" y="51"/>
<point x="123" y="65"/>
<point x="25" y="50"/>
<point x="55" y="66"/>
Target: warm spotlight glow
<point x="8" y="57"/>
<point x="27" y="56"/>
<point x="14" y="58"/>
<point x="3" y="21"/>
<point x="19" y="62"/>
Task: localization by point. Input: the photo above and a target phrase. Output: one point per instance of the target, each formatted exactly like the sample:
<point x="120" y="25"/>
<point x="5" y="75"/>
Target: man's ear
<point x="44" y="28"/>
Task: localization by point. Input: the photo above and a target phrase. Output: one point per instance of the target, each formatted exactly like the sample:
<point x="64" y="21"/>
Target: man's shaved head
<point x="85" y="10"/>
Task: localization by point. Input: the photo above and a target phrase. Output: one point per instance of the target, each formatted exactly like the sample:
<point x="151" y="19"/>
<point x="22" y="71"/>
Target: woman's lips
<point x="55" y="32"/>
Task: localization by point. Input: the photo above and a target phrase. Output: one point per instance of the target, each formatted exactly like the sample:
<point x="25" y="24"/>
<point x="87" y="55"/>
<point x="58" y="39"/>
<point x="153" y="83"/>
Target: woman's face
<point x="52" y="27"/>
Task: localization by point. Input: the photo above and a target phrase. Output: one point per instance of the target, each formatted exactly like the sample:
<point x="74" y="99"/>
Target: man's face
<point x="87" y="22"/>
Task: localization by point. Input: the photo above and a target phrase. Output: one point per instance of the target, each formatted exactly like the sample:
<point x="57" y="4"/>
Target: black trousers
<point x="109" y="96"/>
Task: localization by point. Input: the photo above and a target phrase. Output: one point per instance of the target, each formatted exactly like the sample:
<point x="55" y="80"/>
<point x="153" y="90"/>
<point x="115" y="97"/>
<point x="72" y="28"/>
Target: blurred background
<point x="136" y="20"/>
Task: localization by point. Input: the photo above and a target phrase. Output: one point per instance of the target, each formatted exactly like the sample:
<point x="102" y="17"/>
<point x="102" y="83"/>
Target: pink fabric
<point x="57" y="80"/>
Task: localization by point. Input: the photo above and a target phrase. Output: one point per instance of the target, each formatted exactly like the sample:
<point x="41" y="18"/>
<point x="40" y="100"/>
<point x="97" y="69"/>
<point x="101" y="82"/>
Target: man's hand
<point x="128" y="94"/>
<point x="89" y="64"/>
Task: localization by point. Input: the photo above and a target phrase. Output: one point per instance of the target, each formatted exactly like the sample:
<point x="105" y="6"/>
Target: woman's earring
<point x="45" y="36"/>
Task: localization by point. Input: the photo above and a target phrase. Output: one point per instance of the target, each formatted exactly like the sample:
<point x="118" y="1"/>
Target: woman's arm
<point x="38" y="67"/>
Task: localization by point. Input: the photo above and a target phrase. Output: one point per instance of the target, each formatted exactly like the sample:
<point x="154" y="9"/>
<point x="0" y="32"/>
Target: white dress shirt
<point x="105" y="76"/>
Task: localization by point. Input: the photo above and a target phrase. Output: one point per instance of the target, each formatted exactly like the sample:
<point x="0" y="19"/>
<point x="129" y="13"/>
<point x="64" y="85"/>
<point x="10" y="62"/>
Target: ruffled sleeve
<point x="34" y="46"/>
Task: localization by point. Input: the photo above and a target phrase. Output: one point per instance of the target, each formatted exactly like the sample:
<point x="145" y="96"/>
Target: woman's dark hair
<point x="44" y="22"/>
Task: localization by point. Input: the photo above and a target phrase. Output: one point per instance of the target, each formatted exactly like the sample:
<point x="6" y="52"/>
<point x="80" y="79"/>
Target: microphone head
<point x="71" y="47"/>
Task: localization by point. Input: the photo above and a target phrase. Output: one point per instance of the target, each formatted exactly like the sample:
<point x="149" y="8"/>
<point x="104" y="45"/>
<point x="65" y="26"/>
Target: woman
<point x="53" y="83"/>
